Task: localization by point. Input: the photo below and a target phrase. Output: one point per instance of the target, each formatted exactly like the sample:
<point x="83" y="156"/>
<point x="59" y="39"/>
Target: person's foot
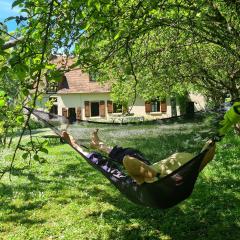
<point x="68" y="138"/>
<point x="95" y="141"/>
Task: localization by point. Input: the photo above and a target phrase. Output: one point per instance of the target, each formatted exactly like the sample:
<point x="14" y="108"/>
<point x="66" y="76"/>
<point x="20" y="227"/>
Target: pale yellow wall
<point x="139" y="107"/>
<point x="199" y="101"/>
<point x="139" y="110"/>
<point x="77" y="100"/>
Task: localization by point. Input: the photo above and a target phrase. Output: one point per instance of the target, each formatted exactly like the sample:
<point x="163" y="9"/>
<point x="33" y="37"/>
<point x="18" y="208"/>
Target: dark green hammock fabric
<point x="164" y="193"/>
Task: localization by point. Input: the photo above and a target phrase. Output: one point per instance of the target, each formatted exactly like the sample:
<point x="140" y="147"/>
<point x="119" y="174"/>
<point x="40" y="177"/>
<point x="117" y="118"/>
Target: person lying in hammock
<point x="137" y="167"/>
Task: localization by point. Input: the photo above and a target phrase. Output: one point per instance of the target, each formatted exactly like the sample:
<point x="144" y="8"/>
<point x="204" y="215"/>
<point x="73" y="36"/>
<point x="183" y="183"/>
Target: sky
<point x="7" y="11"/>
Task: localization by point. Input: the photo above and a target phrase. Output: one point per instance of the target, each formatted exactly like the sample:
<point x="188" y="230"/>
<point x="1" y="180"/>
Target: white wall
<point x="139" y="107"/>
<point x="139" y="110"/>
<point x="75" y="100"/>
<point x="199" y="101"/>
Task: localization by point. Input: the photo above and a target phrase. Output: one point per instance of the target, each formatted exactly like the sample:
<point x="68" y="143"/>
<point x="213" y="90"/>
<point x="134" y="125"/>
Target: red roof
<point x="76" y="81"/>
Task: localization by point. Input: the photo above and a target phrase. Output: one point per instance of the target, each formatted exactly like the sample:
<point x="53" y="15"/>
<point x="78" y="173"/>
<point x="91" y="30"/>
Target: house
<point x="80" y="97"/>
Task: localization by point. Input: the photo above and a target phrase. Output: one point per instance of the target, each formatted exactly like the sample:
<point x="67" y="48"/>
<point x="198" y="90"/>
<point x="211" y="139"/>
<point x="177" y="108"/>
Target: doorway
<point x="94" y="109"/>
<point x="72" y="115"/>
<point x="53" y="111"/>
<point x="173" y="107"/>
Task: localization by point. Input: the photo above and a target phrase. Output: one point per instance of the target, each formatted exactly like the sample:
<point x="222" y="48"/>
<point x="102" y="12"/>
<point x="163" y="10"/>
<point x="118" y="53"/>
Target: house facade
<point x="80" y="97"/>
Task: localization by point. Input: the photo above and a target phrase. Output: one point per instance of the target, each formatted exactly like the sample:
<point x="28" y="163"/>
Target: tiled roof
<point x="76" y="81"/>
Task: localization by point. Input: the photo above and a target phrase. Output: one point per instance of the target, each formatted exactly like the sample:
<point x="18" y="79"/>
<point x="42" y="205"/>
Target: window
<point x="51" y="86"/>
<point x="155" y="106"/>
<point x="117" y="108"/>
<point x="54" y="109"/>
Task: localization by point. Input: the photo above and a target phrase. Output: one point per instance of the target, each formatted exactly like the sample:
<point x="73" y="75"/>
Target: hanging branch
<point x="45" y="43"/>
<point x="129" y="54"/>
<point x="11" y="43"/>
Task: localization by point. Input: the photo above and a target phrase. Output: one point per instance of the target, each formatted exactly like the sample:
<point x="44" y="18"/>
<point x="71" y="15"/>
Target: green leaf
<point x="90" y="2"/>
<point x="36" y="157"/>
<point x="87" y="26"/>
<point x="118" y="35"/>
<point x="42" y="160"/>
<point x="98" y="6"/>
<point x="45" y="143"/>
<point x="2" y="93"/>
<point x="20" y="119"/>
<point x="9" y="18"/>
<point x="2" y="102"/>
<point x="25" y="10"/>
<point x="44" y="150"/>
<point x="25" y="155"/>
<point x="16" y="3"/>
<point x="25" y="92"/>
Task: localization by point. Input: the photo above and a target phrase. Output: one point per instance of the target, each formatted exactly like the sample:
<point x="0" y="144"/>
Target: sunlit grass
<point x="65" y="198"/>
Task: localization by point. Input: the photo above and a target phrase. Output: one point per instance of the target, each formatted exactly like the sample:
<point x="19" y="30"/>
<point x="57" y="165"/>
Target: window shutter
<point x="110" y="106"/>
<point x="102" y="108"/>
<point x="87" y="108"/>
<point x="163" y="106"/>
<point x="148" y="107"/>
<point x="78" y="116"/>
<point x="65" y="112"/>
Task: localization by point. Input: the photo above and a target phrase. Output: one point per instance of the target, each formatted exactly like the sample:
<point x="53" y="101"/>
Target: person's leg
<point x="139" y="171"/>
<point x="108" y="168"/>
<point x="116" y="153"/>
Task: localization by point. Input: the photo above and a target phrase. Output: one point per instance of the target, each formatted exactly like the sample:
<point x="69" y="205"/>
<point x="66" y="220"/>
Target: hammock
<point x="164" y="193"/>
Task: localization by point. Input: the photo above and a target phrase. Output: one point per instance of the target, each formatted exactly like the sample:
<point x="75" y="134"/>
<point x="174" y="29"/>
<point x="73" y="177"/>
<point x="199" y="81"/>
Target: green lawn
<point x="65" y="198"/>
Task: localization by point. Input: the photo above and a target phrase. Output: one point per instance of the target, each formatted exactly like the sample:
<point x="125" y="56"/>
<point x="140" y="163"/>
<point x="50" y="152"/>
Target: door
<point x="173" y="107"/>
<point x="53" y="111"/>
<point x="72" y="115"/>
<point x="94" y="109"/>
